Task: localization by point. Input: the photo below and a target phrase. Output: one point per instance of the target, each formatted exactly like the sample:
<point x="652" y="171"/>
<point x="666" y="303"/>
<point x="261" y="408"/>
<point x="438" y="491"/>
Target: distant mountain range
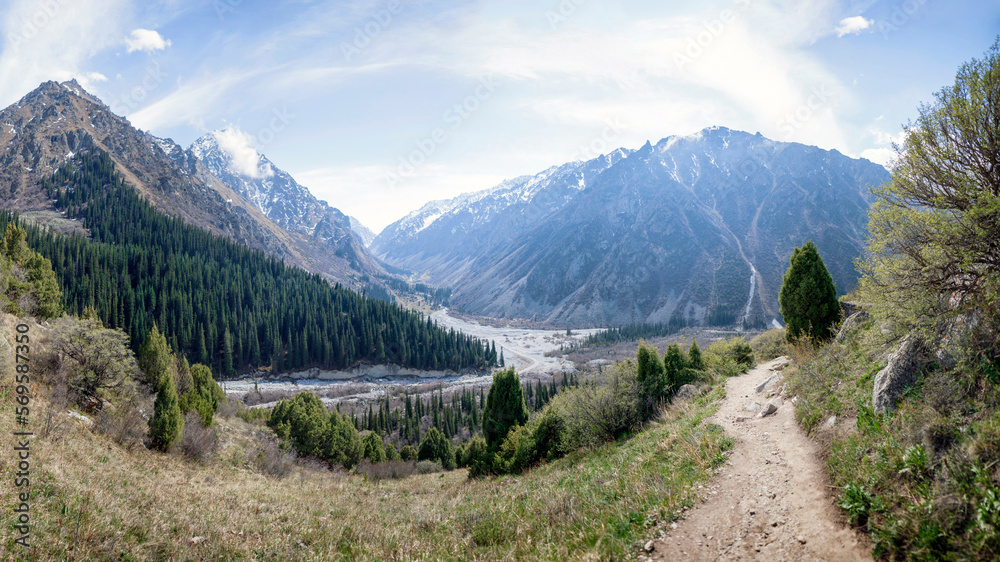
<point x="694" y="229"/>
<point x="271" y="212"/>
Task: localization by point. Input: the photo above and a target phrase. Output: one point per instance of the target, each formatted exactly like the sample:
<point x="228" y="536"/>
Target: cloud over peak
<point x="244" y="157"/>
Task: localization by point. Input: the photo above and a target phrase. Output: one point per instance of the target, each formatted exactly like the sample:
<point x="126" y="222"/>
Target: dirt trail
<point x="771" y="500"/>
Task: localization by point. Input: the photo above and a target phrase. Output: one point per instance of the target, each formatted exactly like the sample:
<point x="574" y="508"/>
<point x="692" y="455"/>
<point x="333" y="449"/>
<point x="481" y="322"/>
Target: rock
<point x="769" y="409"/>
<point x="899" y="374"/>
<point x="832" y="421"/>
<point x="686" y="392"/>
<point x="648" y="547"/>
<point x="80" y="417"/>
<point x="768" y="382"/>
<point x="197" y="540"/>
<point x="752" y="406"/>
<point x="850" y="308"/>
<point x="853" y="322"/>
<point x="801" y="539"/>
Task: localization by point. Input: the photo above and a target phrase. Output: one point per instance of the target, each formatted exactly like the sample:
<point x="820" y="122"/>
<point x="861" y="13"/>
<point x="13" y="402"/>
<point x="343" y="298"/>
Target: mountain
<point x="228" y="155"/>
<point x="363" y="232"/>
<point x="694" y="229"/>
<point x="55" y="121"/>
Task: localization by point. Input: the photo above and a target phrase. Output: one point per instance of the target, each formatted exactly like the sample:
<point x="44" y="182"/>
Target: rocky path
<point x="771" y="500"/>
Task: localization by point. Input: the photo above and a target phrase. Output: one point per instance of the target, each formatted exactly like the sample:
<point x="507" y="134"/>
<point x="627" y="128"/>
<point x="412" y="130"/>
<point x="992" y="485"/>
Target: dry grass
<point x="94" y="499"/>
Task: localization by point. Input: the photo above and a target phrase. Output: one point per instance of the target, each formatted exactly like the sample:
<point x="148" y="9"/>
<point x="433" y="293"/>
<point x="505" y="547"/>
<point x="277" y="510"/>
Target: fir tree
<point x="166" y="425"/>
<point x="808" y="296"/>
<point x="505" y="407"/>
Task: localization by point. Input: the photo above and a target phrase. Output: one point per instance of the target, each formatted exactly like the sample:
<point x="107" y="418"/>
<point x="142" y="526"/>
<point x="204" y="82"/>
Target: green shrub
<point x="769" y="345"/>
<point x="428" y="467"/>
<point x="166" y="426"/>
<point x="504" y="408"/>
<point x="601" y="409"/>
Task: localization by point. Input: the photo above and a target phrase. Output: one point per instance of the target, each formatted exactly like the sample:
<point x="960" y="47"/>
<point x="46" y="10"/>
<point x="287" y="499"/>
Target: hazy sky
<point x="381" y="106"/>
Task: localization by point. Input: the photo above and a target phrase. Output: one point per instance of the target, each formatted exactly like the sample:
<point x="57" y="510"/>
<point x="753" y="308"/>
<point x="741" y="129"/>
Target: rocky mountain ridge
<point x="694" y="229"/>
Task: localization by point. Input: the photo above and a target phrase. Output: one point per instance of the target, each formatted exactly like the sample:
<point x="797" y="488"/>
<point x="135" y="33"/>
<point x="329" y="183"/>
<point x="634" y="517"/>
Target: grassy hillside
<point x="95" y="499"/>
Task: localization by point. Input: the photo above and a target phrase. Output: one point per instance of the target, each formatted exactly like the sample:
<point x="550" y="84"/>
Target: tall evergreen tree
<point x="166" y="425"/>
<point x="808" y="296"/>
<point x="505" y="407"/>
<point x="650" y="378"/>
<point x="155" y="359"/>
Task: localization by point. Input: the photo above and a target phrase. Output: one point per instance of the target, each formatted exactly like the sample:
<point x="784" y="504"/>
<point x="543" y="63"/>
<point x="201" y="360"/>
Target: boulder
<point x="752" y="406"/>
<point x="769" y="408"/>
<point x="852" y="323"/>
<point x="900" y="372"/>
<point x="767" y="383"/>
<point x="686" y="392"/>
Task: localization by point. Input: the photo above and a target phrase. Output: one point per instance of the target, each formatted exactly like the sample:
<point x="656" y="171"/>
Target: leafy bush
<point x="408" y="453"/>
<point x="600" y="409"/>
<point x="313" y="431"/>
<point x="428" y="467"/>
<point x="769" y="345"/>
<point x="437" y="447"/>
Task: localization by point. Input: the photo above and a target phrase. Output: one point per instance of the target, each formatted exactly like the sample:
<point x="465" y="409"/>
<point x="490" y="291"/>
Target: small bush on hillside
<point x="270" y="460"/>
<point x="428" y="467"/>
<point x="769" y="345"/>
<point x="600" y="410"/>
<point x="199" y="443"/>
<point x="389" y="470"/>
<point x="124" y="424"/>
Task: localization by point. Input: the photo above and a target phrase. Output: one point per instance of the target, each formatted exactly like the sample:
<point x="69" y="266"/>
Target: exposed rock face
<point x="899" y="374"/>
<point x="852" y="323"/>
<point x="696" y="228"/>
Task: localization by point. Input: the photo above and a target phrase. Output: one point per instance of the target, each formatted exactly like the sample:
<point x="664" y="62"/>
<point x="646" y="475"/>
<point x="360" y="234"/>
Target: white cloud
<point x="883" y="156"/>
<point x="53" y="41"/>
<point x="147" y="40"/>
<point x="853" y="25"/>
<point x="242" y="154"/>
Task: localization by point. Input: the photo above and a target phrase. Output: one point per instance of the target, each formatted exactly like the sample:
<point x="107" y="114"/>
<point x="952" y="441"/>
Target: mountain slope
<point x="50" y="124"/>
<point x="228" y="155"/>
<point x="694" y="229"/>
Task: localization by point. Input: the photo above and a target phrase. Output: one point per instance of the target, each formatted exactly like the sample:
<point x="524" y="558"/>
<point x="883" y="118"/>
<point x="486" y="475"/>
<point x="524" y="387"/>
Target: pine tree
<point x="155" y="360"/>
<point x="650" y="378"/>
<point x="695" y="360"/>
<point x="166" y="425"/>
<point x="808" y="296"/>
<point x="505" y="407"/>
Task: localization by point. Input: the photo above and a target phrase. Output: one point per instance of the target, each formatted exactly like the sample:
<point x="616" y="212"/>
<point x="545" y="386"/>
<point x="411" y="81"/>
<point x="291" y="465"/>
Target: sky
<point x="379" y="106"/>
